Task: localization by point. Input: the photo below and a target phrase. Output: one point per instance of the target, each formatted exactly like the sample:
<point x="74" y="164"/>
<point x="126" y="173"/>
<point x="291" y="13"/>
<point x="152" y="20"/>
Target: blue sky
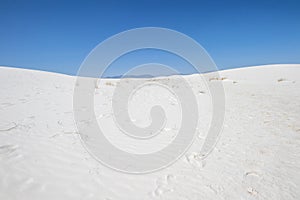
<point x="58" y="35"/>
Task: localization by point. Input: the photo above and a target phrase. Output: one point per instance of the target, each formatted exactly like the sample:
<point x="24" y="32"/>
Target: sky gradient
<point x="58" y="35"/>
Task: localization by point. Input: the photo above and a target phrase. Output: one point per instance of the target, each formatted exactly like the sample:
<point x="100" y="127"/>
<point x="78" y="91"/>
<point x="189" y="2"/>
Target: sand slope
<point x="257" y="156"/>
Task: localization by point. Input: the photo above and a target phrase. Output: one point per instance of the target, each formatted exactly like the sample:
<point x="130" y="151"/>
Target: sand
<point x="257" y="155"/>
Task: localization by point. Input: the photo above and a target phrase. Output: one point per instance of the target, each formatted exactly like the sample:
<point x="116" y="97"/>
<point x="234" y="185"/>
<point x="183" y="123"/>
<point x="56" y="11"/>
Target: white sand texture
<point x="257" y="155"/>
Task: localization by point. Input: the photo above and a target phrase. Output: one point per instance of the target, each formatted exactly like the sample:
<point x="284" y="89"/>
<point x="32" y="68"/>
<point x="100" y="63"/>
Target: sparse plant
<point x="109" y="84"/>
<point x="281" y="79"/>
<point x="217" y="79"/>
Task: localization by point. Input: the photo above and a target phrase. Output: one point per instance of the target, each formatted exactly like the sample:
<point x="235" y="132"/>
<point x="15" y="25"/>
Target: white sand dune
<point x="257" y="156"/>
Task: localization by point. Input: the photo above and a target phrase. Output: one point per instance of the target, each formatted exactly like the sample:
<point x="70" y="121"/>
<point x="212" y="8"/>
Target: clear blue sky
<point x="58" y="35"/>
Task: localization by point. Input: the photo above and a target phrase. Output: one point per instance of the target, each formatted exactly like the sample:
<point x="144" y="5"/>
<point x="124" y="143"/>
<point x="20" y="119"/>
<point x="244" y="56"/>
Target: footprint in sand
<point x="8" y="151"/>
<point x="7" y="126"/>
<point x="195" y="159"/>
<point x="164" y="185"/>
<point x="251" y="182"/>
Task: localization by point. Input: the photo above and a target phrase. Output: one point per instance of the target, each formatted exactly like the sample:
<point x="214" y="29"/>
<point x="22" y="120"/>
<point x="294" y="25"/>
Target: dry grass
<point x="281" y="79"/>
<point x="109" y="84"/>
<point x="217" y="79"/>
